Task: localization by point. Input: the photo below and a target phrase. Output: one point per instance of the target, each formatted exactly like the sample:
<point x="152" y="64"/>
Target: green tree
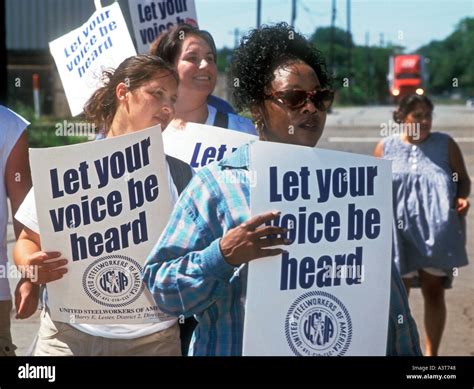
<point x="366" y="82"/>
<point x="224" y="57"/>
<point x="450" y="61"/>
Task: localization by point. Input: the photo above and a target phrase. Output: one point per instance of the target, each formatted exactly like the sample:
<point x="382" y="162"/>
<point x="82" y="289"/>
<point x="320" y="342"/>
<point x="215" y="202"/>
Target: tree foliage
<point x="449" y="63"/>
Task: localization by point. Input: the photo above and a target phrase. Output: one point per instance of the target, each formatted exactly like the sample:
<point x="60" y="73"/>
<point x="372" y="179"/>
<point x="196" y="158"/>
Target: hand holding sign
<point x="26" y="299"/>
<point x="103" y="205"/>
<point x="247" y="242"/>
<point x="329" y="293"/>
<point x="45" y="271"/>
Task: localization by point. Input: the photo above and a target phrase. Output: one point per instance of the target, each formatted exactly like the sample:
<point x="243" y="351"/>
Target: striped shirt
<point x="187" y="274"/>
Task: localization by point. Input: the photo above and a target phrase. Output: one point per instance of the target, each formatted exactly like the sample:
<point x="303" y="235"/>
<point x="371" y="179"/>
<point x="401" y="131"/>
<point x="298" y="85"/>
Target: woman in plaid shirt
<point x="191" y="271"/>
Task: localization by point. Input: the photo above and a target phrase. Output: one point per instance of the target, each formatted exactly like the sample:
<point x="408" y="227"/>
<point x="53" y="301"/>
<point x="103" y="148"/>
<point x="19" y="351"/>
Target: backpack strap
<point x="181" y="173"/>
<point x="221" y="120"/>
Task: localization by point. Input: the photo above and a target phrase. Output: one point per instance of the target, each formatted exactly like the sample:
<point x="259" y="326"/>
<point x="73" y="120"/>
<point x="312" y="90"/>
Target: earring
<point x="259" y="126"/>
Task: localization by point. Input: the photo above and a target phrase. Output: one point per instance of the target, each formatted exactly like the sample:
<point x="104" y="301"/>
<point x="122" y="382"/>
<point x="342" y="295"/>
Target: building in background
<point x="30" y="26"/>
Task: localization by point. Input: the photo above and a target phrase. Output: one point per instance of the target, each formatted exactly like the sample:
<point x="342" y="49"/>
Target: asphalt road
<point x="357" y="130"/>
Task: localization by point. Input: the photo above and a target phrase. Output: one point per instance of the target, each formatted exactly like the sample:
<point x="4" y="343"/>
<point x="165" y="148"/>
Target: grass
<point x="42" y="132"/>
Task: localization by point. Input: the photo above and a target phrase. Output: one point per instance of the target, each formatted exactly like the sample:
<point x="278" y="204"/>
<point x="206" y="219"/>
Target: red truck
<point x="406" y="75"/>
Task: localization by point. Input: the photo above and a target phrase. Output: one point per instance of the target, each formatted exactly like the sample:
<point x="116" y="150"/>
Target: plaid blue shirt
<point x="187" y="274"/>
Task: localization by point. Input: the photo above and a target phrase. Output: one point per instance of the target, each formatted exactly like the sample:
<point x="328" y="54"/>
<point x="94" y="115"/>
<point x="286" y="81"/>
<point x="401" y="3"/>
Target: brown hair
<point x="135" y="71"/>
<point x="407" y="104"/>
<point x="169" y="43"/>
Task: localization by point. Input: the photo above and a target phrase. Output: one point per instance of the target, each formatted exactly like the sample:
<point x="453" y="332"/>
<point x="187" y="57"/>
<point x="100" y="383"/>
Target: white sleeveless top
<point x="11" y="128"/>
<point x="27" y="216"/>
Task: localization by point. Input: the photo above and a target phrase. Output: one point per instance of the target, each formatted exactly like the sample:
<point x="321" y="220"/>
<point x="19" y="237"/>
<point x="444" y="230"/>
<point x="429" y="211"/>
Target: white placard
<point x="329" y="294"/>
<point x="150" y="18"/>
<point x="82" y="55"/>
<point x="199" y="144"/>
<point x="103" y="205"/>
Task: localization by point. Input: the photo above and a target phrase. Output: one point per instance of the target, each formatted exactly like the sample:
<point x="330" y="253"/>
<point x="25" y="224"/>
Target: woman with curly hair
<point x="282" y="79"/>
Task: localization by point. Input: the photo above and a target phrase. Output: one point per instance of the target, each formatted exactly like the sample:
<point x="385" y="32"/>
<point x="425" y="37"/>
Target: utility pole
<point x="349" y="48"/>
<point x="236" y="37"/>
<point x="259" y="12"/>
<point x="349" y="45"/>
<point x="293" y="13"/>
<point x="333" y="36"/>
<point x="368" y="60"/>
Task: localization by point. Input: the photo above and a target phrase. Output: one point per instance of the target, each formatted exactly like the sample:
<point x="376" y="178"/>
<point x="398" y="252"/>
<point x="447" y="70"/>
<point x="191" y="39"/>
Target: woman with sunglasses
<point x="283" y="81"/>
<point x="430" y="190"/>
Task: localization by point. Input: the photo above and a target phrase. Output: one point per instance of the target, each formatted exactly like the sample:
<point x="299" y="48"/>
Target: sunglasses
<point x="297" y="98"/>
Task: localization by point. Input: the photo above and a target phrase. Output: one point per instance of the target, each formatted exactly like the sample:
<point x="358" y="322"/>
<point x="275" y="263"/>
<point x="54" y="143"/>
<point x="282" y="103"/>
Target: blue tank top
<point x="427" y="230"/>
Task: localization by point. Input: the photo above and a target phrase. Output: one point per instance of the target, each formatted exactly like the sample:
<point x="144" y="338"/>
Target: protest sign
<point x="329" y="293"/>
<point x="81" y="55"/>
<point x="152" y="17"/>
<point x="103" y="205"/>
<point x="199" y="144"/>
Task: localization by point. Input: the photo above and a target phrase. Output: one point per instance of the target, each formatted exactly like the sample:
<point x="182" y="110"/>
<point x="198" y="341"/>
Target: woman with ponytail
<point x="140" y="93"/>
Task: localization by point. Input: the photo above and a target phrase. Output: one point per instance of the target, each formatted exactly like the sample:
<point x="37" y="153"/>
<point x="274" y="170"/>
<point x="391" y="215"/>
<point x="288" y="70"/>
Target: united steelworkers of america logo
<point x="113" y="281"/>
<point x="318" y="324"/>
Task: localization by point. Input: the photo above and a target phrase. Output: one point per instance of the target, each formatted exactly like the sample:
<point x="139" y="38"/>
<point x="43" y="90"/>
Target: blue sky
<point x="419" y="21"/>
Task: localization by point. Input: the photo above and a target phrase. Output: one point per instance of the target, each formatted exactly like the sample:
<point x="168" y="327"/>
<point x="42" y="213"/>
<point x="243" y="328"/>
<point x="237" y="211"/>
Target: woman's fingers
<point x="462" y="206"/>
<point x="50" y="276"/>
<point x="48" y="266"/>
<point x="45" y="267"/>
<point x="270" y="242"/>
<point x="27" y="307"/>
<point x="245" y="242"/>
<point x="258" y="220"/>
<point x="44" y="277"/>
<point x="39" y="257"/>
<point x="269" y="230"/>
<point x="18" y="303"/>
<point x="26" y="298"/>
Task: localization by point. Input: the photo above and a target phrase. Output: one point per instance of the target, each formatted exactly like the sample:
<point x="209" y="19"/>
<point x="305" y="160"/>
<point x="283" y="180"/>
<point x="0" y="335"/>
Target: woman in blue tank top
<point x="430" y="190"/>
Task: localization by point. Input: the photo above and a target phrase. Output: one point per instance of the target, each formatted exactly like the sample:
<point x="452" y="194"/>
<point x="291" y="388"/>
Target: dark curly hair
<point x="260" y="52"/>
